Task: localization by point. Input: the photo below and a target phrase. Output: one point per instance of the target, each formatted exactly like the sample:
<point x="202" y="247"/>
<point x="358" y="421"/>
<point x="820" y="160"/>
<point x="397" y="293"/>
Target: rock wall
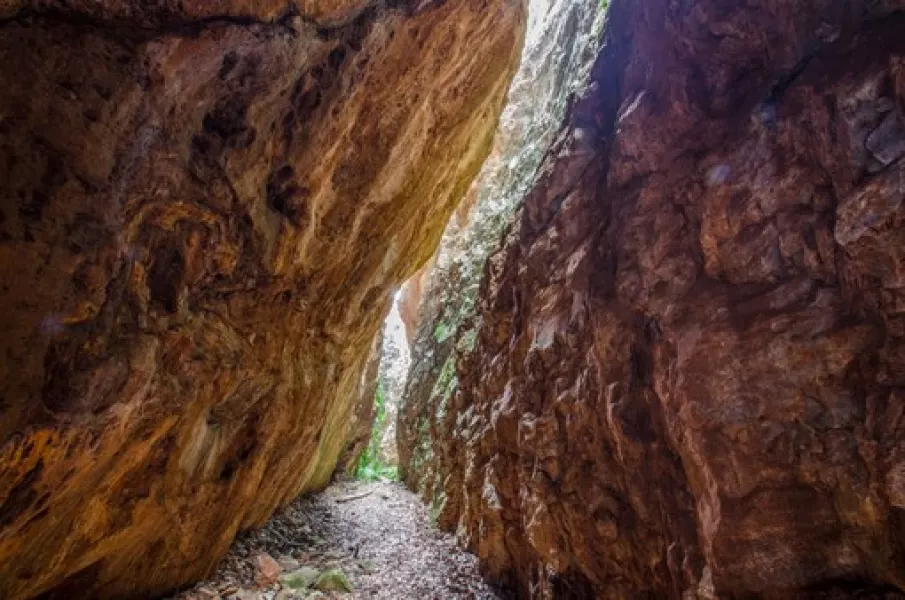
<point x="364" y="411"/>
<point x="410" y="296"/>
<point x="689" y="379"/>
<point x="203" y="209"/>
<point x="559" y="49"/>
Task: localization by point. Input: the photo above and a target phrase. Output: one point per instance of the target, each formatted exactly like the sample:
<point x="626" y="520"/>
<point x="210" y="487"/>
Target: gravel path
<point x="378" y="535"/>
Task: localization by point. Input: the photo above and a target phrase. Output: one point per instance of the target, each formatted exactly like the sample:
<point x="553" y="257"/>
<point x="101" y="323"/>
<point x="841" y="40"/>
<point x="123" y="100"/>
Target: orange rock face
<point x="410" y="298"/>
<point x="203" y="208"/>
<point x="689" y="378"/>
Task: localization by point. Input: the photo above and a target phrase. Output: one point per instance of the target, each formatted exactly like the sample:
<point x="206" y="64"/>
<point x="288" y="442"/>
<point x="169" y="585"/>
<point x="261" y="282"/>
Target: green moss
<point x="447" y="379"/>
<point x="300" y="579"/>
<point x="442" y="332"/>
<point x="333" y="580"/>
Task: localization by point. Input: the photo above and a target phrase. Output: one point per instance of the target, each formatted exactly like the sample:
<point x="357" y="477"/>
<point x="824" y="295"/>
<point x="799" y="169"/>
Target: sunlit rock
<point x="204" y="209"/>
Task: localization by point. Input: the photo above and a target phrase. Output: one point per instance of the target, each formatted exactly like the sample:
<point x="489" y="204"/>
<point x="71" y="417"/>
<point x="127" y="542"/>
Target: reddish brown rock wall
<point x="690" y="377"/>
<point x="203" y="208"/>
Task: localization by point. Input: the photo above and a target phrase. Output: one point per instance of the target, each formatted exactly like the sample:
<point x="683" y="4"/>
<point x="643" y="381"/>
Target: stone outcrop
<point x="559" y="49"/>
<point x="688" y="378"/>
<point x="204" y="207"/>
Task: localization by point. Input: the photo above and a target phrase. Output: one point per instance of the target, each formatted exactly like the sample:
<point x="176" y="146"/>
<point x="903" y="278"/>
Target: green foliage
<point x="446" y="381"/>
<point x="442" y="332"/>
<point x="445" y="386"/>
<point x="370" y="467"/>
<point x="333" y="580"/>
<point x="376" y="471"/>
<point x="300" y="579"/>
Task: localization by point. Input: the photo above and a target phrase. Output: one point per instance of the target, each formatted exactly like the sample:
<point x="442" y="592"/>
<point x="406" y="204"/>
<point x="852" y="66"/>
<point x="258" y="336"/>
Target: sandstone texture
<point x="689" y="378"/>
<point x="204" y="207"/>
<point x="410" y="296"/>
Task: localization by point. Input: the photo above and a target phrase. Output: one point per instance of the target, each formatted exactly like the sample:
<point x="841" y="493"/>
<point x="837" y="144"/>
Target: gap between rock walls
<point x="425" y="323"/>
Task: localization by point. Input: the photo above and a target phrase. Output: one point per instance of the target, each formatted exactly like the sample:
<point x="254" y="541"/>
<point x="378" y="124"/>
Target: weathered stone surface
<point x="410" y="298"/>
<point x="204" y="208"/>
<point x="361" y="422"/>
<point x="689" y="377"/>
<point x="267" y="569"/>
<point x="321" y="13"/>
<point x="560" y="48"/>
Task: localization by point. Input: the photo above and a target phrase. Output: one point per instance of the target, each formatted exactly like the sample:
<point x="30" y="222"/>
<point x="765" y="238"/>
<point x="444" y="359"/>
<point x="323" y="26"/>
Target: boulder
<point x="204" y="207"/>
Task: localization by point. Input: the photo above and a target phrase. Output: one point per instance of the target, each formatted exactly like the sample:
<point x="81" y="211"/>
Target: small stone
<point x="333" y="580"/>
<point x="267" y="570"/>
<point x="366" y="565"/>
<point x="300" y="579"/>
<point x="206" y="592"/>
<point x="288" y="563"/>
<point x="887" y="141"/>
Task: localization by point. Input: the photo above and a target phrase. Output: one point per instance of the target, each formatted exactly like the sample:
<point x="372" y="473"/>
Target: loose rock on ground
<point x="375" y="539"/>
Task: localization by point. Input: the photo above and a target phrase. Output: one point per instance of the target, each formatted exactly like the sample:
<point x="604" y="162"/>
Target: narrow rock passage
<point x="377" y="534"/>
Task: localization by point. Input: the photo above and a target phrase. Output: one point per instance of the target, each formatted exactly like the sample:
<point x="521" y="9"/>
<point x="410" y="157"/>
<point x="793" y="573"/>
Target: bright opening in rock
<point x="380" y="457"/>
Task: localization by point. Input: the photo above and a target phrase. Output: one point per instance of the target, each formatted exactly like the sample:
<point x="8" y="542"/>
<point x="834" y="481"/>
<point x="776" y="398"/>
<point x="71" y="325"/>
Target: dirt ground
<point x="377" y="535"/>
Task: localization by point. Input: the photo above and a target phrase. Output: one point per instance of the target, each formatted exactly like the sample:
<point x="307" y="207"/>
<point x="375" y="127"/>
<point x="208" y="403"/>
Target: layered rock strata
<point x="204" y="207"/>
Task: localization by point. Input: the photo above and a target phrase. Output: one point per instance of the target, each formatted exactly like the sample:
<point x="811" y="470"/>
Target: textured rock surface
<point x="362" y="420"/>
<point x="690" y="376"/>
<point x="559" y="49"/>
<point x="410" y="298"/>
<point x="204" y="208"/>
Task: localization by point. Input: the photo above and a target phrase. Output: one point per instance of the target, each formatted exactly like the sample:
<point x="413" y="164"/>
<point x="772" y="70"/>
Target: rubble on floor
<point x="355" y="540"/>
